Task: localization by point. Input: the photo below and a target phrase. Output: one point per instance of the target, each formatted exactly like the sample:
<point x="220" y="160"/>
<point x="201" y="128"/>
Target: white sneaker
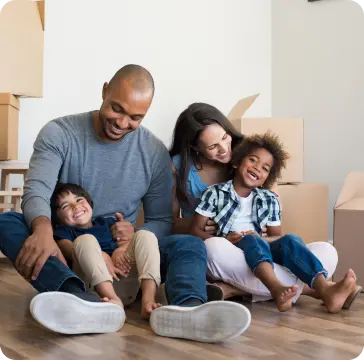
<point x="215" y="321"/>
<point x="68" y="314"/>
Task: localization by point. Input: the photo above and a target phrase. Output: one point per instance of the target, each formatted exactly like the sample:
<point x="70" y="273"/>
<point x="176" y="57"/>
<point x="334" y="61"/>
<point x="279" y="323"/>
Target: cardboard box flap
<point x="353" y="188"/>
<point x="353" y="204"/>
<point x="9" y="99"/>
<point x="241" y="107"/>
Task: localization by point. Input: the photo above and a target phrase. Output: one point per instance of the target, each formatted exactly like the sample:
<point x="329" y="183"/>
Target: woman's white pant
<point x="226" y="263"/>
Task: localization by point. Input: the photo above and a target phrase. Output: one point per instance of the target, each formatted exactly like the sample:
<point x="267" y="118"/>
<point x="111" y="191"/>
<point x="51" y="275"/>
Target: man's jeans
<point x="13" y="233"/>
<point x="183" y="262"/>
<point x="183" y="268"/>
<point x="288" y="251"/>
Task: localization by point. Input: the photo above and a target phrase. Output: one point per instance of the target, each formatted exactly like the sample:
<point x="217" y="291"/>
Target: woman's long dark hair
<point x="188" y="128"/>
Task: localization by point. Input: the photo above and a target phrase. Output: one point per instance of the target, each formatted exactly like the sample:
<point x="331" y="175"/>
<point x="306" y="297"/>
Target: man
<point x="120" y="164"/>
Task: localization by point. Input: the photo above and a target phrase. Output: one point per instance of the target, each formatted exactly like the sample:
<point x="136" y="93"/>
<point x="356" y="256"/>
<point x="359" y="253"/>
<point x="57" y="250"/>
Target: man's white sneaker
<point x="215" y="321"/>
<point x="69" y="314"/>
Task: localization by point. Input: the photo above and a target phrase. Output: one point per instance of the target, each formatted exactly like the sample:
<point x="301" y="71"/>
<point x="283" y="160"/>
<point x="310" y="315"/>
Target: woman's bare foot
<point x="335" y="294"/>
<point x="147" y="308"/>
<point x="115" y="301"/>
<point x="283" y="297"/>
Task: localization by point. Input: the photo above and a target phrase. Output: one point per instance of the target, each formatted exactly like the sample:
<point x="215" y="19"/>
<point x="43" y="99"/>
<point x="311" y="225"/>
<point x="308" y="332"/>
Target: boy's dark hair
<point x="269" y="142"/>
<point x="64" y="189"/>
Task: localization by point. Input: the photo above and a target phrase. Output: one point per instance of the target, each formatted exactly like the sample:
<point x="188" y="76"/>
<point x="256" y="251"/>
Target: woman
<point x="201" y="151"/>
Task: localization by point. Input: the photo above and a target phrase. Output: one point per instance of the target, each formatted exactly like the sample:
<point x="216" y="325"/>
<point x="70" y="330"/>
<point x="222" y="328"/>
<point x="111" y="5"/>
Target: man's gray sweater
<point x="118" y="175"/>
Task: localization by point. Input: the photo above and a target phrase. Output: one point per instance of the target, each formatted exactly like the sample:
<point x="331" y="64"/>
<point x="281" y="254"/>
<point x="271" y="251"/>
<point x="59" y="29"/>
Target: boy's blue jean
<point x="183" y="262"/>
<point x="288" y="251"/>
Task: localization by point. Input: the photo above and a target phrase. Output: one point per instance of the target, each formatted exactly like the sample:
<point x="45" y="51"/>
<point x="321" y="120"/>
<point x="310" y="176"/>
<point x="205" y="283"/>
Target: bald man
<point x="121" y="165"/>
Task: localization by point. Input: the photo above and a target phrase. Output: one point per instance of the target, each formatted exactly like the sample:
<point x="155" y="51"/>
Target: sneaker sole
<point x="67" y="314"/>
<point x="215" y="321"/>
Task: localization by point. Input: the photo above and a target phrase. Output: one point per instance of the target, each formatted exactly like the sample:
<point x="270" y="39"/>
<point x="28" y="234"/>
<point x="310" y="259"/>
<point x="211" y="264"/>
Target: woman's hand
<point x="211" y="227"/>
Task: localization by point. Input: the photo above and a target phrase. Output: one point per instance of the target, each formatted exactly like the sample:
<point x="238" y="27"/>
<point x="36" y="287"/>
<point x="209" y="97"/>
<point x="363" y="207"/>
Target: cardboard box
<point x="348" y="227"/>
<point x="289" y="130"/>
<point x="305" y="210"/>
<point x="21" y="48"/>
<point x="9" y="126"/>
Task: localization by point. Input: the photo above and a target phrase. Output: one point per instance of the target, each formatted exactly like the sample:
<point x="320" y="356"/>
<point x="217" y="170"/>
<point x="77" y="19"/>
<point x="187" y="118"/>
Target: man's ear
<point x="104" y="90"/>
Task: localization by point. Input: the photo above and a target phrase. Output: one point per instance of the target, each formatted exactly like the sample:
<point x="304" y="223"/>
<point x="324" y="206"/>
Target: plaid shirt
<point x="222" y="204"/>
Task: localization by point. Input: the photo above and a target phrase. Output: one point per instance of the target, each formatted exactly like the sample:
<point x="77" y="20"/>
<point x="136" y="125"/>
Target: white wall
<point x="318" y="74"/>
<point x="207" y="50"/>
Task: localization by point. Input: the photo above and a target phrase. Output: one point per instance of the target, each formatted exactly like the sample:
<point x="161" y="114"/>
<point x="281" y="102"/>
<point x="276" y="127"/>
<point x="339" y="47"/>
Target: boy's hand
<point x="234" y="237"/>
<point x="250" y="232"/>
<point x="264" y="232"/>
<point x="122" y="230"/>
<point x="113" y="271"/>
<point x="121" y="260"/>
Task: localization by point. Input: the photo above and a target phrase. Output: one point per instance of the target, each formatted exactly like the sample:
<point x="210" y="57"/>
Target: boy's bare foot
<point x="115" y="301"/>
<point x="335" y="295"/>
<point x="283" y="297"/>
<point x="147" y="308"/>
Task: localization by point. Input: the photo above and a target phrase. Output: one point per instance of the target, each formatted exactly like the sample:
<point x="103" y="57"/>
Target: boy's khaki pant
<point x="143" y="252"/>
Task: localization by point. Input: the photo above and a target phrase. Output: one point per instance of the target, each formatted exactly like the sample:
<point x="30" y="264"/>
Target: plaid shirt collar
<point x="262" y="200"/>
<point x="229" y="188"/>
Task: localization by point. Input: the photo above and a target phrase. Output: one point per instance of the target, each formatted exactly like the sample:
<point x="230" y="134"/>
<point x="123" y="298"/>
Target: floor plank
<point x="305" y="332"/>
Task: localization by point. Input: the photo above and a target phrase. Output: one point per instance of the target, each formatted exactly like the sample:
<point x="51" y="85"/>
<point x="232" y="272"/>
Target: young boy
<point x="242" y="207"/>
<point x="95" y="256"/>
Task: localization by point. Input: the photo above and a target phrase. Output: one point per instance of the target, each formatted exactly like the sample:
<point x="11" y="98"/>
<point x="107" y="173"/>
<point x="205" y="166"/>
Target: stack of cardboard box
<point x="305" y="206"/>
<point x="348" y="220"/>
<point x="21" y="69"/>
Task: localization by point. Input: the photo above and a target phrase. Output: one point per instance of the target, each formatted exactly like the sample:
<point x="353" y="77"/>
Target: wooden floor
<point x="306" y="332"/>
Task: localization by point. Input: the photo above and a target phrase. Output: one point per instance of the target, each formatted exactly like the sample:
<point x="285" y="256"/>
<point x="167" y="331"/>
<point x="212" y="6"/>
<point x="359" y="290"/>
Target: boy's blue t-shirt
<point x="100" y="229"/>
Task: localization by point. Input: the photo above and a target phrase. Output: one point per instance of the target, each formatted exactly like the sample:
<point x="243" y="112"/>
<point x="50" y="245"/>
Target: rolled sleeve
<point x="275" y="216"/>
<point x="207" y="206"/>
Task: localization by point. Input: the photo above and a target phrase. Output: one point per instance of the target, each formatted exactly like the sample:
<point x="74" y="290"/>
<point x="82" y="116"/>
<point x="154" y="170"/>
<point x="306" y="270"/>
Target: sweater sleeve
<point x="44" y="167"/>
<point x="157" y="202"/>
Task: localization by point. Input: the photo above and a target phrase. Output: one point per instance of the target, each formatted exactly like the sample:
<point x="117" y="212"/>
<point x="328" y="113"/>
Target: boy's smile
<point x="74" y="211"/>
<point x="254" y="169"/>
